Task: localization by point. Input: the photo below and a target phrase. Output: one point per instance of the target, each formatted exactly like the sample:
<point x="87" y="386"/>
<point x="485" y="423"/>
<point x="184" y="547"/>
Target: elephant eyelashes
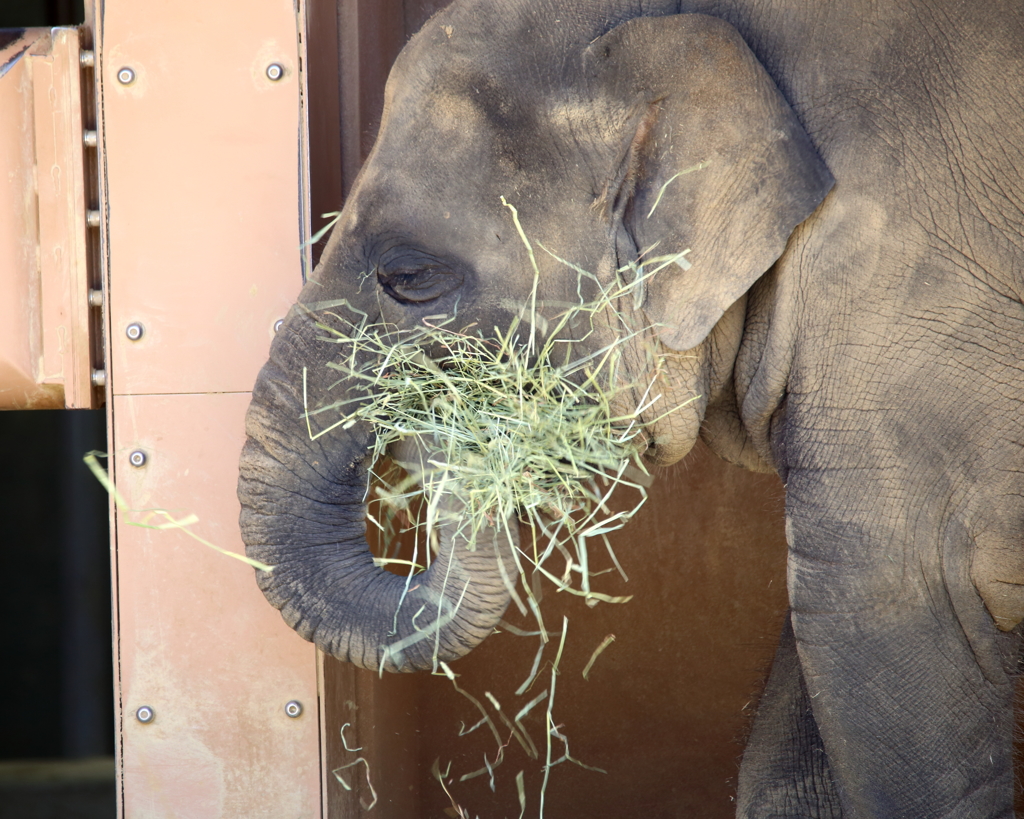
<point x="420" y="283"/>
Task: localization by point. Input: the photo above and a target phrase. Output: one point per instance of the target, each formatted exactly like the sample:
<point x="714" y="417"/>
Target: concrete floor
<point x="58" y="789"/>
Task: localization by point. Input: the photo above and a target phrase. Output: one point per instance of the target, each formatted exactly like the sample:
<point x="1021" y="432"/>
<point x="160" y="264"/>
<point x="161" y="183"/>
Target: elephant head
<point x="615" y="138"/>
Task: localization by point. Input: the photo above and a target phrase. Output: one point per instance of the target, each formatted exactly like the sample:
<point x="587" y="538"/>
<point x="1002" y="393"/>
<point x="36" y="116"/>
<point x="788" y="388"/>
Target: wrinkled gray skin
<point x="866" y="341"/>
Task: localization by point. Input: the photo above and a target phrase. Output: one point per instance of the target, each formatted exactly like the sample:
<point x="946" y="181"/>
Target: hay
<point x="515" y="435"/>
<point x="524" y="425"/>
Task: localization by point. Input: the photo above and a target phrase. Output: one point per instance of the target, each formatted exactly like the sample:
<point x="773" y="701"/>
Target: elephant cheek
<point x="673" y="420"/>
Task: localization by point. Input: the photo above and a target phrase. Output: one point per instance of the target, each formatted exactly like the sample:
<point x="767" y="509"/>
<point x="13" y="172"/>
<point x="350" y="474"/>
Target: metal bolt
<point x="89" y="138"/>
<point x="144" y="714"/>
<point x="293" y="709"/>
<point x="278" y="325"/>
<point x="134" y="331"/>
<point x="137" y="458"/>
<point x="99" y="378"/>
<point x="95" y="298"/>
<point x="92" y="218"/>
<point x="87" y="59"/>
<point x="126" y="76"/>
<point x="275" y="71"/>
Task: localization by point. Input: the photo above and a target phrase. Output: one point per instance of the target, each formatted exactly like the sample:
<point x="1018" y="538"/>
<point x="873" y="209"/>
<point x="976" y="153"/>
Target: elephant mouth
<point x="517" y="431"/>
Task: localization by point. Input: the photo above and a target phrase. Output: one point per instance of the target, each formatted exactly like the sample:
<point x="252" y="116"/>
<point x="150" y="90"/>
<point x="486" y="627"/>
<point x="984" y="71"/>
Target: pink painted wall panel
<point x="203" y="192"/>
<point x="205" y="206"/>
<point x="198" y="643"/>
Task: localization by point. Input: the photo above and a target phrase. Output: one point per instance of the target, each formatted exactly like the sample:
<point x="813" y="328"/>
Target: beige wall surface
<point x="204" y="207"/>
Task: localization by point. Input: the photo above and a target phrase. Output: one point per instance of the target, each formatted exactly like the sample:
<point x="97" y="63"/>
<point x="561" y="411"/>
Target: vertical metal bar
<point x="324" y="113"/>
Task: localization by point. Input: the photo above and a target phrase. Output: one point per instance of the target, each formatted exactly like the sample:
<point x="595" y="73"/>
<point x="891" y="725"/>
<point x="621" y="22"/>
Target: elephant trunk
<point x="303" y="512"/>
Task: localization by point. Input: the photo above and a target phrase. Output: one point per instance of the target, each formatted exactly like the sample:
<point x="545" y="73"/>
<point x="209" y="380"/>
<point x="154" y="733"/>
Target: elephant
<point x="848" y="177"/>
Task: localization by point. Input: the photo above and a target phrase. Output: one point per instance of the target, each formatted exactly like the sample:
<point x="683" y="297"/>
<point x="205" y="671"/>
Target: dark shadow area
<point x="28" y="13"/>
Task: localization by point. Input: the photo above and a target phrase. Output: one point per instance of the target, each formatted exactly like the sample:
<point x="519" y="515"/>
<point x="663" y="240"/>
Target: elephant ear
<point x="712" y="160"/>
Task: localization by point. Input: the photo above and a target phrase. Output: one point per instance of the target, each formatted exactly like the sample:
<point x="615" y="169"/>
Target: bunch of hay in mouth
<point x="523" y="425"/>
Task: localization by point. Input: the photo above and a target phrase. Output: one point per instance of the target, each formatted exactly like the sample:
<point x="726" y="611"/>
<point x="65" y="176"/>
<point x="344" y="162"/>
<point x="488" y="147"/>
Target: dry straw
<point x="522" y="424"/>
<point x="525" y="423"/>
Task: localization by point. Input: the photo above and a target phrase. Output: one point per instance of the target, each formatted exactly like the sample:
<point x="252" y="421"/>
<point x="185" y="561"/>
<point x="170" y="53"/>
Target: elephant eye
<point x="418" y="283"/>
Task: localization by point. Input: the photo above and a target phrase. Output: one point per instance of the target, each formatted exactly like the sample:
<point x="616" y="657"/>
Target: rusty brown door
<point x="665" y="707"/>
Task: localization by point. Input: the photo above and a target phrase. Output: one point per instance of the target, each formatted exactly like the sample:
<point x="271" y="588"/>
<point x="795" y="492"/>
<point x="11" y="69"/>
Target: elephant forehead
<point x="441" y="106"/>
<point x="471" y="119"/>
<point x="421" y="163"/>
<point x="416" y="196"/>
<point x="451" y="158"/>
<point x="514" y="128"/>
